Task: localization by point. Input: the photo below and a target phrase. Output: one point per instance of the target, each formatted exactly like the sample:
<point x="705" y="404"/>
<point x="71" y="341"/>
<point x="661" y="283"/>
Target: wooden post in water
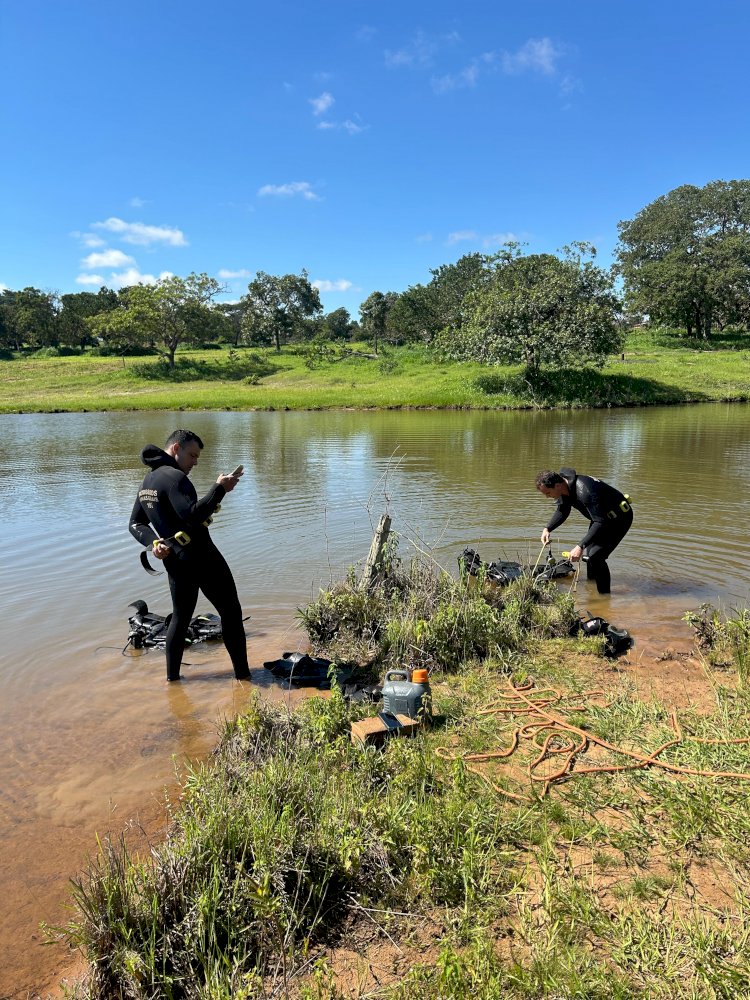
<point x="374" y="557"/>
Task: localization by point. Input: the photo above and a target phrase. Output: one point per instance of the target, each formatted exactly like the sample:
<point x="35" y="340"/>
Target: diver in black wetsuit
<point x="609" y="512"/>
<point x="168" y="505"/>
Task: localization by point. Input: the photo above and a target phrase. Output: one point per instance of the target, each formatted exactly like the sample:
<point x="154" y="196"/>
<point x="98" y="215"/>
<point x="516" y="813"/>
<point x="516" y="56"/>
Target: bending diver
<point x="609" y="512"/>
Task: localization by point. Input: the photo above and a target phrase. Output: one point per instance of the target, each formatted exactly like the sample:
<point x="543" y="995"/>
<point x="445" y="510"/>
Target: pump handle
<point x="401" y="674"/>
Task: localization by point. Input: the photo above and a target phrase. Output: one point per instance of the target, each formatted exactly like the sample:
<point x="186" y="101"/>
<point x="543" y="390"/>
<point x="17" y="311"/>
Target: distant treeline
<point x="683" y="262"/>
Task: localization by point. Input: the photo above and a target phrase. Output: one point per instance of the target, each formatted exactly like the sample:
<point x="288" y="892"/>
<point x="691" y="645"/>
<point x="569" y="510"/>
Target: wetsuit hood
<point x="155" y="457"/>
<point x="569" y="475"/>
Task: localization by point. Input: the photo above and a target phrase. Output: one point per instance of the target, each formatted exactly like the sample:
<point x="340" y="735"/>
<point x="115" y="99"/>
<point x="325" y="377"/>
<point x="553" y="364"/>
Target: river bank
<point x="400" y="377"/>
<point x="88" y="736"/>
<point x="557" y="812"/>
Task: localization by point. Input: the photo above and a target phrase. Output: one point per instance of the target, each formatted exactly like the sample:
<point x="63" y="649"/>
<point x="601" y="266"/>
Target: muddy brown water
<point x="91" y="741"/>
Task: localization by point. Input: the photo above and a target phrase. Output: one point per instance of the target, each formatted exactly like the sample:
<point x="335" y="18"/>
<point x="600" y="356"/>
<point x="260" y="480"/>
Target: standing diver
<point x="608" y="510"/>
<point x="168" y="505"/>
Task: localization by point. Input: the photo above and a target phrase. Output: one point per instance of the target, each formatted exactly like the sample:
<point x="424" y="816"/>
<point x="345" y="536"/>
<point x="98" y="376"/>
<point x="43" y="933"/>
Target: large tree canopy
<point x="685" y="258"/>
<point x="77" y="307"/>
<point x="166" y="314"/>
<point x="374" y="313"/>
<point x="540" y="310"/>
<point x="422" y="311"/>
<point x="28" y="317"/>
<point x="275" y="308"/>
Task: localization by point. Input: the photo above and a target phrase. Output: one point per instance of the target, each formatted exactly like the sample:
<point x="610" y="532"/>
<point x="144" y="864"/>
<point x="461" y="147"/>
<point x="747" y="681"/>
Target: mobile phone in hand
<point x="237" y="471"/>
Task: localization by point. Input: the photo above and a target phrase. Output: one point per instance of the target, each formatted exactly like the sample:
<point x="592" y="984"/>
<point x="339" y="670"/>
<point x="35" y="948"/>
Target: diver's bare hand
<point x="545" y="537"/>
<point x="229" y="482"/>
<point x="160" y="550"/>
<point x="576" y="553"/>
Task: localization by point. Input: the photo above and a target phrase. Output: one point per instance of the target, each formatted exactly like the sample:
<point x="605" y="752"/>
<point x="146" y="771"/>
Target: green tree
<point x="275" y="307"/>
<point x="415" y="315"/>
<point x="230" y="325"/>
<point x="171" y="312"/>
<point x="685" y="258"/>
<point x="337" y="325"/>
<point x="77" y="307"/>
<point x="540" y="310"/>
<point x="10" y="339"/>
<point x="374" y="316"/>
<point x="28" y="318"/>
<point x="453" y="285"/>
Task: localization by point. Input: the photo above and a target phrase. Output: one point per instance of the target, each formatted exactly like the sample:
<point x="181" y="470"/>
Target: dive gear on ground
<point x="148" y="629"/>
<point x="616" y="640"/>
<point x="501" y="572"/>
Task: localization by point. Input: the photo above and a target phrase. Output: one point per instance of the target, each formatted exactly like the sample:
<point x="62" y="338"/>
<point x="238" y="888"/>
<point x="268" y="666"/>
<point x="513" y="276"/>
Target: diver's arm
<point x="140" y="526"/>
<point x="187" y="507"/>
<point x="560" y="515"/>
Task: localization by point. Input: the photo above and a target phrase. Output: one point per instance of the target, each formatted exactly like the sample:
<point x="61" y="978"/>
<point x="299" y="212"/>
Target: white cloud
<point x="365" y="34"/>
<point x="137" y="202"/>
<point x="107" y="258"/>
<point x="570" y="85"/>
<point x="90" y="279"/>
<point x="537" y="55"/>
<point x="4" y="288"/>
<point x="142" y="235"/>
<point x="461" y="236"/>
<point x="497" y="239"/>
<point x="323" y="285"/>
<point x="467" y="77"/>
<point x="226" y="274"/>
<point x="421" y="52"/>
<point x="323" y="103"/>
<point x="302" y="188"/>
<point x="424" y="238"/>
<point x="89" y="240"/>
<point x="132" y="276"/>
<point x="348" y="126"/>
<point x="487" y="240"/>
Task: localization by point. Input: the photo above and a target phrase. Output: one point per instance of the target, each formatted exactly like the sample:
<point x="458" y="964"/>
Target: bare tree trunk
<point x="374" y="562"/>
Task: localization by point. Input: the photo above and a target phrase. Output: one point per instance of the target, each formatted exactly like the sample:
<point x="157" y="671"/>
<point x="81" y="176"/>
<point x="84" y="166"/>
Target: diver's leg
<point x="217" y="583"/>
<point x="597" y="569"/>
<point x="184" y="589"/>
<point x="602" y="577"/>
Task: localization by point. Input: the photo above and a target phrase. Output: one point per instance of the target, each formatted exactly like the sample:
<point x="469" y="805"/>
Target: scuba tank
<point x="405" y="696"/>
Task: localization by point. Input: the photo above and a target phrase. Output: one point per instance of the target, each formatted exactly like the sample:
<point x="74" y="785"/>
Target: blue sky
<point x="366" y="143"/>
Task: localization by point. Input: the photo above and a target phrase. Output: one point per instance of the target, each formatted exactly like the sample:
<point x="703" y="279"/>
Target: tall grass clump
<point x="419" y="615"/>
<point x="277" y="841"/>
<point x="723" y="638"/>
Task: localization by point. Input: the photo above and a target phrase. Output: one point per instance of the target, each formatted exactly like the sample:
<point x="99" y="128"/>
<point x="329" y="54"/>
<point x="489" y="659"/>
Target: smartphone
<point x="237" y="471"/>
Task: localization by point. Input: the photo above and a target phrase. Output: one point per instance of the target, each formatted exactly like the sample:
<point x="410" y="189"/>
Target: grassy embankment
<point x="292" y="850"/>
<point x="654" y="370"/>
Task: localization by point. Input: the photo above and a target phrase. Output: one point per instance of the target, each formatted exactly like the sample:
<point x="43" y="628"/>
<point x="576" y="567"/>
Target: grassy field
<point x="551" y="835"/>
<point x="652" y="370"/>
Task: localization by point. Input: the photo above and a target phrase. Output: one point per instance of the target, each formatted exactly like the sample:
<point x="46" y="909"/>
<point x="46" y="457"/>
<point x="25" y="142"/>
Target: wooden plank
<point x="373" y="731"/>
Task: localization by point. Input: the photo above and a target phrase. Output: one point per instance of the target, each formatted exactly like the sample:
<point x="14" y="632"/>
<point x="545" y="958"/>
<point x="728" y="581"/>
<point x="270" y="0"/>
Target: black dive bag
<point x="148" y="629"/>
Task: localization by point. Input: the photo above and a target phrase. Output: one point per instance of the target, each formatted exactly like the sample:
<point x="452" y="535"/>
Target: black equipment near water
<point x="148" y="629"/>
<point x="501" y="572"/>
<point x="616" y="640"/>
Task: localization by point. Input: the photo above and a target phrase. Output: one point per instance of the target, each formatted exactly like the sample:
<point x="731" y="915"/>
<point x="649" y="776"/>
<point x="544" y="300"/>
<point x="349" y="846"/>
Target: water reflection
<point x="87" y="735"/>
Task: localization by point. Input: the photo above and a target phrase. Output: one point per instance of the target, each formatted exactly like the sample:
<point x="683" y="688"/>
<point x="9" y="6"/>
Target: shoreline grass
<point x="291" y="846"/>
<point x="401" y="377"/>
